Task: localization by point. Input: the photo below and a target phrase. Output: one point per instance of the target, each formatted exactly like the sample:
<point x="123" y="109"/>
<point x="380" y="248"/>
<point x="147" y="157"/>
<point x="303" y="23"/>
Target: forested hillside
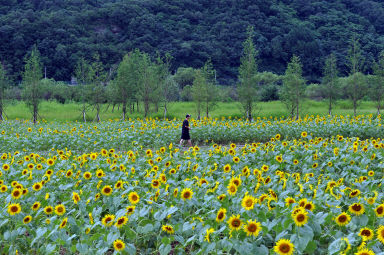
<point x="190" y="30"/>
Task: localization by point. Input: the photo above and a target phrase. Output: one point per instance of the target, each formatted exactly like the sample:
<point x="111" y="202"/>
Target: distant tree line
<point x="140" y="81"/>
<point x="192" y="32"/>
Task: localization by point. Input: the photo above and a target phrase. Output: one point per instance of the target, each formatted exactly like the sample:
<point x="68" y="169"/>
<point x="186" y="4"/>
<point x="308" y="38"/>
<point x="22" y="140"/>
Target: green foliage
<point x="32" y="76"/>
<point x="247" y="87"/>
<point x="330" y="83"/>
<point x="293" y="89"/>
<point x="3" y="87"/>
<point x="377" y="89"/>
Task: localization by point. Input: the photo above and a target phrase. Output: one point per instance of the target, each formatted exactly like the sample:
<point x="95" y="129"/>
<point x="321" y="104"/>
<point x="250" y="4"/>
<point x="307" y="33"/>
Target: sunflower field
<point x="311" y="186"/>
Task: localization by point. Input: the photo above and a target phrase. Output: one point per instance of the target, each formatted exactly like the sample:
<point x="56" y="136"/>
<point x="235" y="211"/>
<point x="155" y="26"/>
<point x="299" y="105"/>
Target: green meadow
<point x="53" y="111"/>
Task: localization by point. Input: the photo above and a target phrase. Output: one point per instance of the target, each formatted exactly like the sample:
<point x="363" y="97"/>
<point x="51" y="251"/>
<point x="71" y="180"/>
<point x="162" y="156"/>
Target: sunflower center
<point x="342" y="218"/>
<point x="379" y="210"/>
<point x="366" y="232"/>
<point x="120" y="221"/>
<point x="236" y="223"/>
<point x="356" y="207"/>
<point x="285" y="248"/>
<point x="300" y="218"/>
<point x="249" y="203"/>
<point x="252" y="228"/>
<point x="187" y="194"/>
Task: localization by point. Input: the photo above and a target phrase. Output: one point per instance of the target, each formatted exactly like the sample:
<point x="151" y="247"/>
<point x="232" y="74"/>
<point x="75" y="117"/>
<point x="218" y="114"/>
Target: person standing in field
<point x="185" y="131"/>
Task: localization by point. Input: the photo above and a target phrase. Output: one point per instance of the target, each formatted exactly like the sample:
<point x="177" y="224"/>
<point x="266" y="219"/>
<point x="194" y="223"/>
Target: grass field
<point x="72" y="111"/>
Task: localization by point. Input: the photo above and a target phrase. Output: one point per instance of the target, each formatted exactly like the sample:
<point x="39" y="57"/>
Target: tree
<point x="146" y="80"/>
<point x="330" y="81"/>
<point x="3" y="86"/>
<point x="199" y="91"/>
<point x="377" y="90"/>
<point x="247" y="88"/>
<point x="98" y="79"/>
<point x="293" y="89"/>
<point x="210" y="90"/>
<point x="82" y="74"/>
<point x="32" y="76"/>
<point x="356" y="85"/>
<point x="126" y="81"/>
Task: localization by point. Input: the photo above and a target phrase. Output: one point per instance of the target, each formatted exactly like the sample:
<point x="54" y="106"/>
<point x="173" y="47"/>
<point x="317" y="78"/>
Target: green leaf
<point x="165" y="249"/>
<point x="130" y="248"/>
<point x="82" y="248"/>
<point x="112" y="237"/>
<point x="147" y="228"/>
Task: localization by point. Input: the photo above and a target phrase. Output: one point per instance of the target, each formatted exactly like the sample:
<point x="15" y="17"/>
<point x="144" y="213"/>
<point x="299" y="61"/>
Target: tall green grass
<point x="72" y="111"/>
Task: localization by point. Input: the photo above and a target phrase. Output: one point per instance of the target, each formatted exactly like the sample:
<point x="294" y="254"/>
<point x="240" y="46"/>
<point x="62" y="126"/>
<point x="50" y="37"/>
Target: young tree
<point x="330" y="81"/>
<point x="32" y="76"/>
<point x="199" y="91"/>
<point x="126" y="81"/>
<point x="147" y="73"/>
<point x="82" y="74"/>
<point x="3" y="86"/>
<point x="356" y="85"/>
<point x="377" y="90"/>
<point x="247" y="88"/>
<point x="293" y="89"/>
<point x="210" y="89"/>
<point x="98" y="80"/>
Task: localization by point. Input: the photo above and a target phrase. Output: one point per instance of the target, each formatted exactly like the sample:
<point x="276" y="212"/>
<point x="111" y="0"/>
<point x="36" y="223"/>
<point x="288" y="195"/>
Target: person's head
<point x="187" y="116"/>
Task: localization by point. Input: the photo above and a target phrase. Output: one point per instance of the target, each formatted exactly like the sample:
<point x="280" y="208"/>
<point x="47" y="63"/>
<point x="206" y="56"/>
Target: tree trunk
<point x="146" y="108"/>
<point x="330" y="106"/>
<point x="124" y="110"/>
<point x="34" y="113"/>
<point x="165" y="110"/>
<point x="1" y="112"/>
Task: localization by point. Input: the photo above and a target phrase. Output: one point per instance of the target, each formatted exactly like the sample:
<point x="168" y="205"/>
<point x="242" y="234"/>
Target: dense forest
<point x="192" y="31"/>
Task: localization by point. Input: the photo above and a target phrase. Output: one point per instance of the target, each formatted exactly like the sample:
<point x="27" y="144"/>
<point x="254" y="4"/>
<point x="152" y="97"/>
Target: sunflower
<point x="379" y="211"/>
<point x="134" y="198"/>
<point x="6" y="167"/>
<point x="87" y="175"/>
<point x="48" y="210"/>
<point x="234" y="222"/>
<point x="130" y="209"/>
<point x="106" y="190"/>
<point x="208" y="232"/>
<point x="252" y="228"/>
<point x="304" y="134"/>
<point x="37" y="186"/>
<point x="227" y="168"/>
<point x="155" y="183"/>
<point x="279" y="158"/>
<point x="76" y="197"/>
<point x="3" y="188"/>
<point x="60" y="209"/>
<point x="168" y="228"/>
<point x="121" y="221"/>
<point x="343" y="219"/>
<point x="309" y="206"/>
<point x="186" y="193"/>
<point x="35" y="206"/>
<point x="284" y="247"/>
<point x="354" y="193"/>
<point x="69" y="173"/>
<point x="357" y="209"/>
<point x="14" y="209"/>
<point x="366" y="234"/>
<point x="99" y="173"/>
<point x="365" y="252"/>
<point x="221" y="214"/>
<point x="64" y="223"/>
<point x="108" y="220"/>
<point x="300" y="218"/>
<point x="236" y="160"/>
<point x="248" y="202"/>
<point x="232" y="189"/>
<point x="27" y="219"/>
<point x="118" y="245"/>
<point x="380" y="234"/>
<point x="16" y="193"/>
<point x="289" y="201"/>
<point x="175" y="192"/>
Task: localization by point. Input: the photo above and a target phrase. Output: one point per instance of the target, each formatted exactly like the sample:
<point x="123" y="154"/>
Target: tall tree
<point x="377" y="90"/>
<point x="247" y="88"/>
<point x="330" y="81"/>
<point x="146" y="80"/>
<point x="83" y="77"/>
<point x="199" y="91"/>
<point x="3" y="85"/>
<point x="126" y="81"/>
<point x="98" y="80"/>
<point x="293" y="89"/>
<point x="32" y="92"/>
<point x="210" y="89"/>
<point x="356" y="86"/>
